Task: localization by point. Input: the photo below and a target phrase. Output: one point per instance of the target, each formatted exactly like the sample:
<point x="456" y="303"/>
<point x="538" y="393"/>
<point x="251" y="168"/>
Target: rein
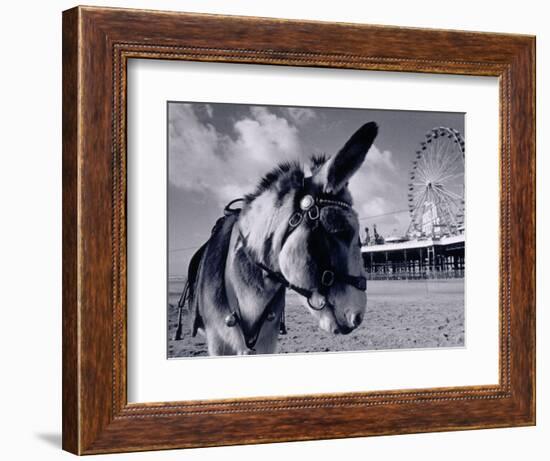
<point x="327" y="280"/>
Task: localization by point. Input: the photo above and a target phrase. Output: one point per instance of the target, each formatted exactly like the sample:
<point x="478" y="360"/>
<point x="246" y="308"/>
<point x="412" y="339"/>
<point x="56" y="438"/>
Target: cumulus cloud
<point x="377" y="157"/>
<point x="227" y="165"/>
<point x="369" y="186"/>
<point x="264" y="139"/>
<point x="299" y="115"/>
<point x="192" y="146"/>
<point x="379" y="194"/>
<point x="209" y="110"/>
<point x="372" y="206"/>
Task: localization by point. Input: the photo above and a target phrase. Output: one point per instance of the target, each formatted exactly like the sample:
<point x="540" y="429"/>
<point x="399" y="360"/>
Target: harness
<point x="309" y="209"/>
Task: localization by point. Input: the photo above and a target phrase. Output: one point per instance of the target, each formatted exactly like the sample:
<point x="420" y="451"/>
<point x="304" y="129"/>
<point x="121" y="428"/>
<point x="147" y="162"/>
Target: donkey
<point x="295" y="231"/>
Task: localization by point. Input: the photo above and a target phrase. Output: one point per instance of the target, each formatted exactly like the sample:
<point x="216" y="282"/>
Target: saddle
<point x="215" y="252"/>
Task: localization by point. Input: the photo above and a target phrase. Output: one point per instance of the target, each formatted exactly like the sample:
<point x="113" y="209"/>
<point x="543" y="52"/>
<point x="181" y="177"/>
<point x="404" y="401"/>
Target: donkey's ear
<point x="337" y="171"/>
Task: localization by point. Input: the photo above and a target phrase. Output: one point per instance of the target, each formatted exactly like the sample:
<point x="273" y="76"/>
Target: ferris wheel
<point x="436" y="187"/>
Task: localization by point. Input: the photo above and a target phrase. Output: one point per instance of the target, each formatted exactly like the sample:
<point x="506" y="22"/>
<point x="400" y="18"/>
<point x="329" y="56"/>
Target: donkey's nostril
<point x="356" y="319"/>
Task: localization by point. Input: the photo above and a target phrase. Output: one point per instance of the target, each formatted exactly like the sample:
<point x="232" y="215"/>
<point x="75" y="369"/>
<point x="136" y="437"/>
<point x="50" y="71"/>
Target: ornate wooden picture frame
<point x="97" y="44"/>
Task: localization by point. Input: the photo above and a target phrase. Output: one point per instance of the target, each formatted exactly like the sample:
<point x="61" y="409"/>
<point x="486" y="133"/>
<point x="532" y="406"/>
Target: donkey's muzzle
<point x="344" y="330"/>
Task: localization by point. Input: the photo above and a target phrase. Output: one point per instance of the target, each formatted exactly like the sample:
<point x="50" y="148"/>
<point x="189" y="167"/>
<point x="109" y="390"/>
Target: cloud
<point x="372" y="206"/>
<point x="371" y="185"/>
<point x="376" y="157"/>
<point x="299" y="115"/>
<point x="264" y="139"/>
<point x="192" y="146"/>
<point x="227" y="165"/>
<point x="377" y="191"/>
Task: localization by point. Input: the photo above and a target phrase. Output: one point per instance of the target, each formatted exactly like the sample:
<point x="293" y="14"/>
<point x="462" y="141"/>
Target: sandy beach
<point x="400" y="314"/>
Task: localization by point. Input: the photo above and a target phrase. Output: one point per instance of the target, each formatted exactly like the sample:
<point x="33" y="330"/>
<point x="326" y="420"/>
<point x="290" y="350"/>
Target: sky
<point x="218" y="152"/>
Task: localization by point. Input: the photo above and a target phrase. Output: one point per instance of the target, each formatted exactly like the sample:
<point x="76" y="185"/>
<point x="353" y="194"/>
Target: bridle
<point x="308" y="209"/>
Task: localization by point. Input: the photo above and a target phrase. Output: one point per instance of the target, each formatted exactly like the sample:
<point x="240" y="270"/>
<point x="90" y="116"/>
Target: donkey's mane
<point x="293" y="171"/>
<point x="317" y="161"/>
<point x="289" y="170"/>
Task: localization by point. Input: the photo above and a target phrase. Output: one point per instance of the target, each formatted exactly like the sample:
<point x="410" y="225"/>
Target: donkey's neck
<point x="256" y="238"/>
<point x="260" y="229"/>
<point x="247" y="251"/>
<point x="248" y="290"/>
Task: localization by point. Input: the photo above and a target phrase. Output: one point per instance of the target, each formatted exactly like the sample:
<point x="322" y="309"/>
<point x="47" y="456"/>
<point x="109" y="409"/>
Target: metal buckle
<point x="327" y="279"/>
<point x="361" y="284"/>
<point x="313" y="213"/>
<point x="295" y="219"/>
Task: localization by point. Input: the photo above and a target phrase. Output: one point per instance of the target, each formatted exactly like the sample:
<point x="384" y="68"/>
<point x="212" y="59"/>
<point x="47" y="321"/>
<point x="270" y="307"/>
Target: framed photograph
<point x="280" y="230"/>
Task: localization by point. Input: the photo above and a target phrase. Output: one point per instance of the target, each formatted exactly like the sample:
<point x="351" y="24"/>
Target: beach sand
<point x="400" y="314"/>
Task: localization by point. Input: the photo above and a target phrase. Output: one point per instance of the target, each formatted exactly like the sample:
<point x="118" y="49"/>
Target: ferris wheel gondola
<point x="436" y="187"/>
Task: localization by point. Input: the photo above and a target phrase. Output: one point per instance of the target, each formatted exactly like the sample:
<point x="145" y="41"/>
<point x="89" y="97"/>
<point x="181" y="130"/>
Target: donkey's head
<point x="306" y="229"/>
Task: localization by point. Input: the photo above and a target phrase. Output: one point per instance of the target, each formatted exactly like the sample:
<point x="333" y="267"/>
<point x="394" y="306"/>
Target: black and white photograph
<point x="313" y="229"/>
<point x="275" y="230"/>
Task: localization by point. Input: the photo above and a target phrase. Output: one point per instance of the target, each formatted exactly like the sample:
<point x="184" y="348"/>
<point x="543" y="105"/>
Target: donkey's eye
<point x="336" y="220"/>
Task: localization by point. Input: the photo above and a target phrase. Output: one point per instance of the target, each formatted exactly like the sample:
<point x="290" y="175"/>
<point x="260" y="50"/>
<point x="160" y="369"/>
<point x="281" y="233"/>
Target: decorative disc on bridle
<point x="307" y="202"/>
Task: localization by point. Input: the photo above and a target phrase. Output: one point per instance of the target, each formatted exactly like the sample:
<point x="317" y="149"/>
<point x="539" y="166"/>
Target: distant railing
<point x="415" y="275"/>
